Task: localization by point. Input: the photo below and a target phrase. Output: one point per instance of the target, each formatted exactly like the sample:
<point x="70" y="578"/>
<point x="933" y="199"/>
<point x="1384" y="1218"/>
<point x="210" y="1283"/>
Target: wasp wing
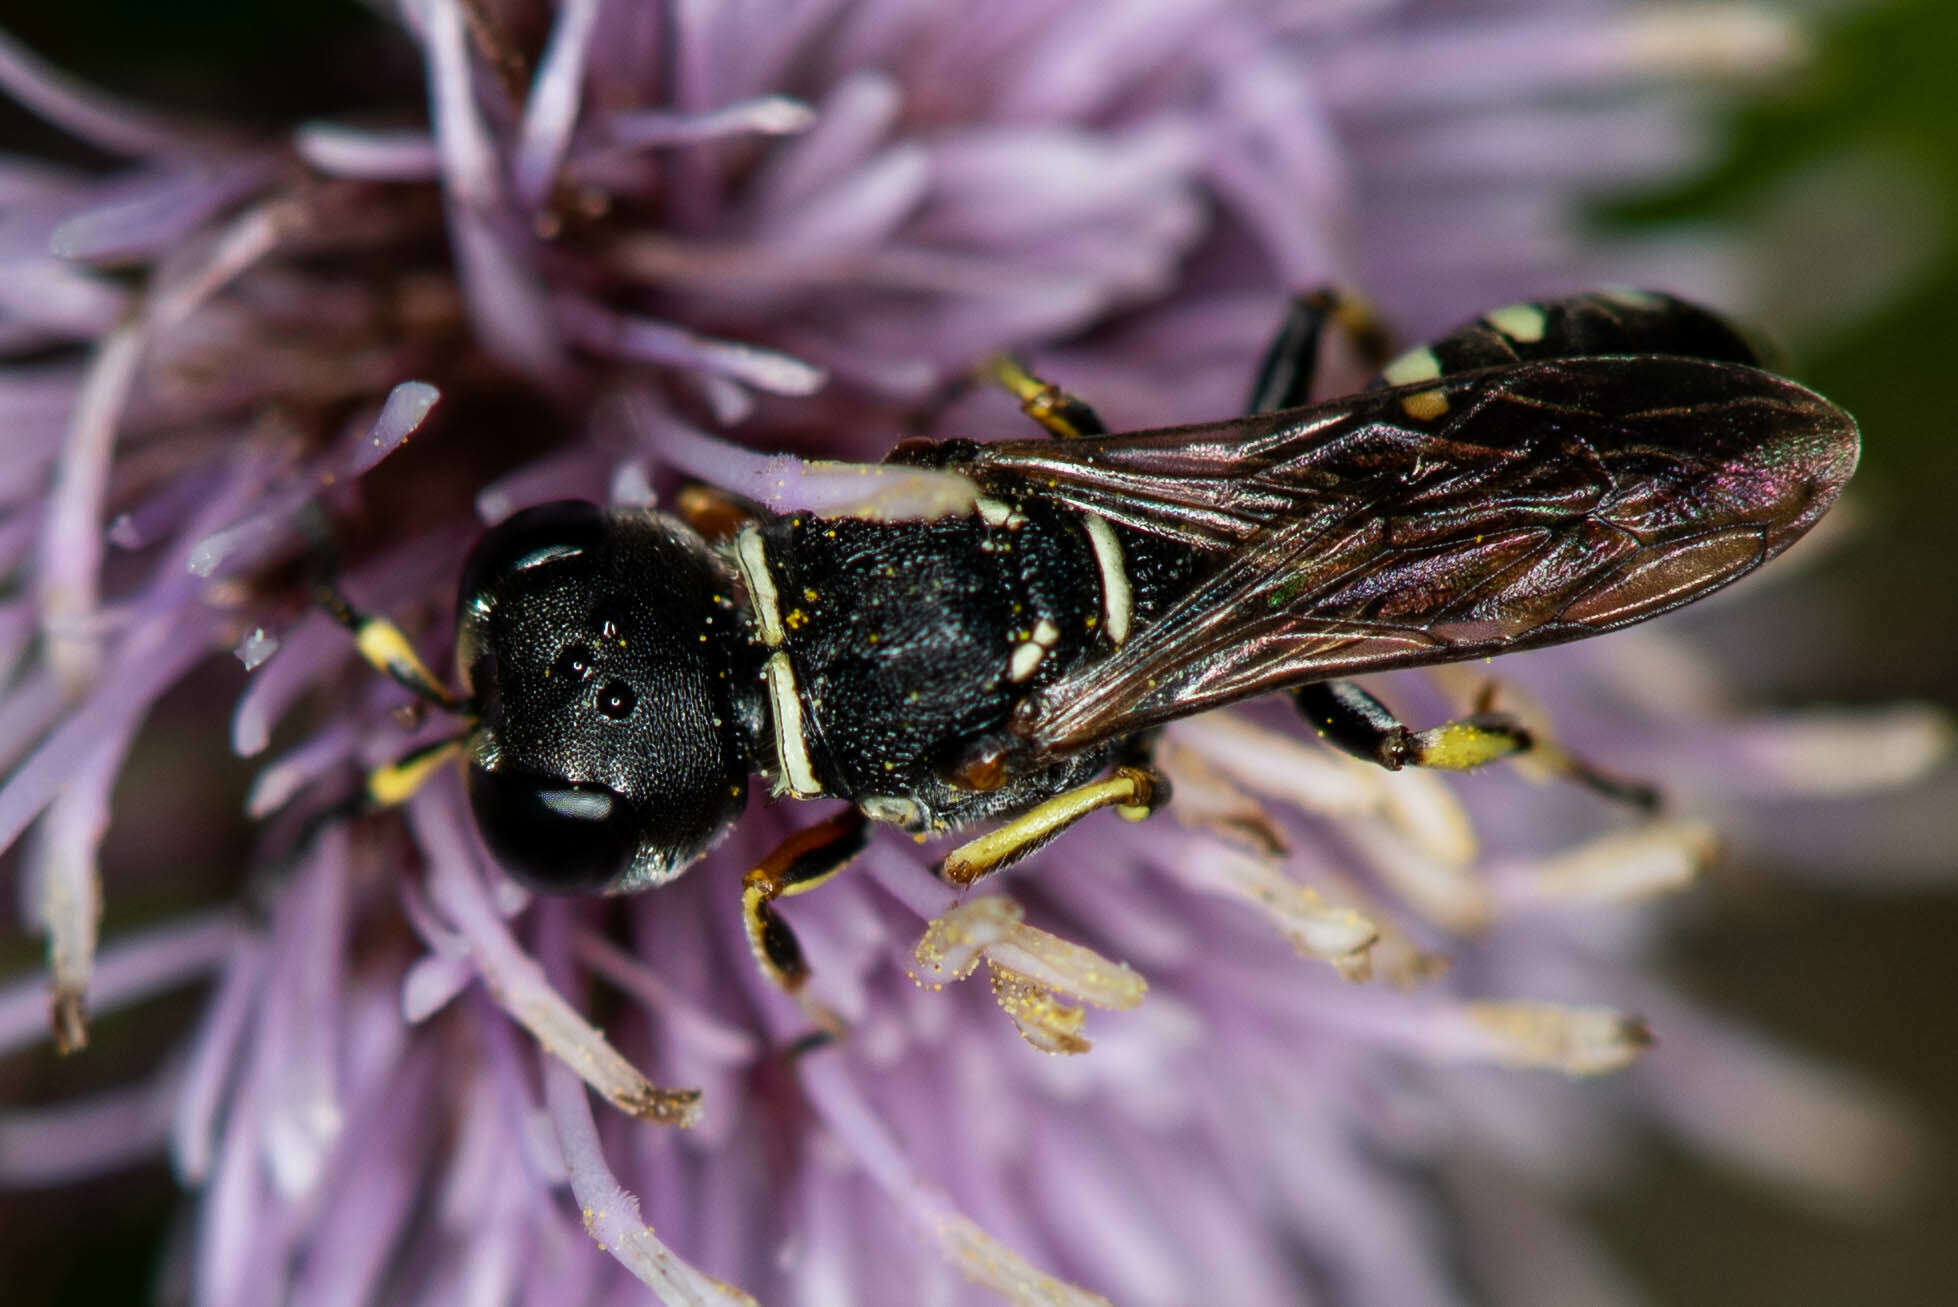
<point x="1475" y="514"/>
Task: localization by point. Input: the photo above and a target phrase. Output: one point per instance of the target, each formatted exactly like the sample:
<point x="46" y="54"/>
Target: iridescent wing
<point x="1475" y="514"/>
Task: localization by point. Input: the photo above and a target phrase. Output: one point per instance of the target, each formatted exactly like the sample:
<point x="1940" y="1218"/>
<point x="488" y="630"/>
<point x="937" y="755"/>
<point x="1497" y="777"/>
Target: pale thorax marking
<point x="784" y="699"/>
<point x="1028" y="653"/>
<point x="1117" y="601"/>
<point x="753" y="562"/>
<point x="790" y="745"/>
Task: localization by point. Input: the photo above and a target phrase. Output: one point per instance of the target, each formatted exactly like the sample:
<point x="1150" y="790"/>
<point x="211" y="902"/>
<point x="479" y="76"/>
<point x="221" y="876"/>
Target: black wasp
<point x="1548" y="472"/>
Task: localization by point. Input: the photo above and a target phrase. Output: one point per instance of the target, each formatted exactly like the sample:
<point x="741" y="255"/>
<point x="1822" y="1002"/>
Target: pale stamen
<point x="1321" y="783"/>
<point x="1842" y="751"/>
<point x="1030" y="970"/>
<point x="987" y="1261"/>
<point x="1727" y="42"/>
<point x="72" y="539"/>
<point x="786" y="484"/>
<point x="1317" y="929"/>
<point x="611" y="1213"/>
<point x="1449" y="894"/>
<point x="1578" y="1041"/>
<point x="1657" y="858"/>
<point x="65" y="889"/>
<point x="129" y="970"/>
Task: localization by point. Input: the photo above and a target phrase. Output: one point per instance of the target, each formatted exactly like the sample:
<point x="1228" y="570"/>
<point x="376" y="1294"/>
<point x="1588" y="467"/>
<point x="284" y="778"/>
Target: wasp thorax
<point x="612" y="750"/>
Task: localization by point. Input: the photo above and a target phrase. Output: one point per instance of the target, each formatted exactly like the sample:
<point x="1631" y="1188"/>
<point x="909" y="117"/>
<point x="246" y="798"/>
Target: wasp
<point x="1548" y="472"/>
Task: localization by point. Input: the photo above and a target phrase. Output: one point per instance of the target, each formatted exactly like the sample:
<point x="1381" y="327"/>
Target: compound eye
<point x="534" y="537"/>
<point x="555" y="835"/>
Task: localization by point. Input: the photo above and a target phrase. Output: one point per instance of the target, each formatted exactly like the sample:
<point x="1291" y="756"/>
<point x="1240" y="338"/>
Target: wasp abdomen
<point x="1611" y="322"/>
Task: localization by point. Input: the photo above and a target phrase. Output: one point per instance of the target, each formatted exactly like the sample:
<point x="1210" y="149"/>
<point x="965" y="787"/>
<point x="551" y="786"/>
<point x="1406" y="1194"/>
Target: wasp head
<point x="605" y="663"/>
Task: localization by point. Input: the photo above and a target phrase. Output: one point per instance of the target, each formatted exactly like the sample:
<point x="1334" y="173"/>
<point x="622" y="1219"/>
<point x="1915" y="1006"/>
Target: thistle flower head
<point x="1260" y="1051"/>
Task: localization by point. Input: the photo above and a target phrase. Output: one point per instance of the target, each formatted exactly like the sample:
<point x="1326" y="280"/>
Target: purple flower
<point x="633" y="243"/>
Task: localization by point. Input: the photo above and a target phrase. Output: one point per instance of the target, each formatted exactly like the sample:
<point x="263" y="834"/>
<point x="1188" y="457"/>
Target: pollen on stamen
<point x="1042" y="1018"/>
<point x="1030" y="970"/>
<point x="1068" y="968"/>
<point x="610" y="1213"/>
<point x="985" y="1260"/>
<point x="954" y="942"/>
<point x="1335" y="935"/>
<point x="1578" y="1041"/>
<point x="578" y="1044"/>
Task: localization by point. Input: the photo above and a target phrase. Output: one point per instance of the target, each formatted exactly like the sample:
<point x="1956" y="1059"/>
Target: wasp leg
<point x="1637" y="794"/>
<point x="801" y="862"/>
<point x="1344" y="714"/>
<point x="1552" y="756"/>
<point x="1064" y="415"/>
<point x="1133" y="791"/>
<point x="1352" y="720"/>
<point x="396" y="782"/>
<point x="385" y="649"/>
<point x="1284" y="378"/>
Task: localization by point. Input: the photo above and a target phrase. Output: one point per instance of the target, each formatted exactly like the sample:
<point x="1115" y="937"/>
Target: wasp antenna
<point x="382" y="644"/>
<point x="385" y="648"/>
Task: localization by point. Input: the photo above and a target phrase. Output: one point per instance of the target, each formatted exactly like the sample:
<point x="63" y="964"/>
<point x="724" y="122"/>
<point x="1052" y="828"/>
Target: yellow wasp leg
<point x="1134" y="793"/>
<point x="1064" y="415"/>
<point x="1350" y="719"/>
<point x="1467" y="744"/>
<point x="800" y="863"/>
